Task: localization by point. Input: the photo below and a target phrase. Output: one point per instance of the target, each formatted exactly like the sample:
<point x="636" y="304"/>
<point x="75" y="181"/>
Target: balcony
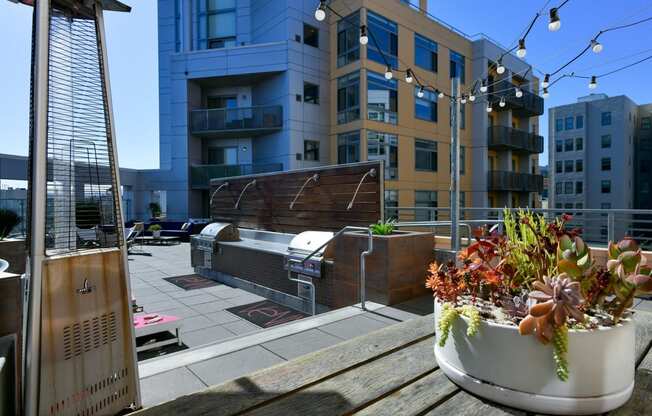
<point x="201" y="175"/>
<point x="529" y="105"/>
<point x="499" y="180"/>
<point x="507" y="138"/>
<point x="236" y="122"/>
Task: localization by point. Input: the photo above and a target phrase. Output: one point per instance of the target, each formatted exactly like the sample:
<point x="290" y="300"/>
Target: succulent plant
<point x="574" y="256"/>
<point x="448" y="316"/>
<point x="628" y="264"/>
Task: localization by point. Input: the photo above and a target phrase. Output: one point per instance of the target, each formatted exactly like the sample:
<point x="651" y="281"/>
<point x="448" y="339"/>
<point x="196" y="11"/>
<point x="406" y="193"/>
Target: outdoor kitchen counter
<point x="259" y="245"/>
<point x="391" y="371"/>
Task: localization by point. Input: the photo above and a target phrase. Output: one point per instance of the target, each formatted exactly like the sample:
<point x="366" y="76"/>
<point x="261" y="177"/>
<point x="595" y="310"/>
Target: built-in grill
<point x="203" y="246"/>
<point x="304" y="244"/>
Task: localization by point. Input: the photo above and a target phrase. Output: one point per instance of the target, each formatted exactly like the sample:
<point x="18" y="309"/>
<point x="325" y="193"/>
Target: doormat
<point x="266" y="313"/>
<point x="191" y="282"/>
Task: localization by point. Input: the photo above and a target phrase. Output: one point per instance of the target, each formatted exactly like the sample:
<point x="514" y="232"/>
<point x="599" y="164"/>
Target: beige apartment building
<point x="376" y="118"/>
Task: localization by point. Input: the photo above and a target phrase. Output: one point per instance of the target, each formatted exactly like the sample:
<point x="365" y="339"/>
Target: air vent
<point x="88" y="335"/>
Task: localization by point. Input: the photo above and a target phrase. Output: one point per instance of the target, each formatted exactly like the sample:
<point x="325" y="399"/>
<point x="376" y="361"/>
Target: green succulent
<point x="574" y="256"/>
<point x="383" y="228"/>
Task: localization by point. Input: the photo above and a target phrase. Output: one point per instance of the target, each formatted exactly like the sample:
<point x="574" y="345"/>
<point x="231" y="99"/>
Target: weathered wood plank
<point x="643" y="322"/>
<point x="355" y="388"/>
<point x="465" y="404"/>
<point x="257" y="388"/>
<point x="415" y="398"/>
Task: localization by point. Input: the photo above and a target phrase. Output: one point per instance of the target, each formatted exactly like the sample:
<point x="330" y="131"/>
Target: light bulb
<point x="388" y="73"/>
<point x="320" y="13"/>
<point x="594" y="83"/>
<point x="555" y="23"/>
<point x="500" y="69"/>
<point x="440" y="94"/>
<point x="483" y="87"/>
<point x="408" y="76"/>
<point x="596" y="46"/>
<point x="545" y="93"/>
<point x="546" y="81"/>
<point x="519" y="93"/>
<point x="489" y="109"/>
<point x="471" y="97"/>
<point x="463" y="99"/>
<point x="502" y="102"/>
<point x="364" y="39"/>
<point x="420" y="93"/>
<point x="521" y="52"/>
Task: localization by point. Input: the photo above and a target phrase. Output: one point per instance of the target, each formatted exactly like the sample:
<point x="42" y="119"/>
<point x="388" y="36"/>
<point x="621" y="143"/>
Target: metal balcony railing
<point x="201" y="175"/>
<point x="250" y="120"/>
<point x="499" y="180"/>
<point x="503" y="137"/>
<point x="529" y="105"/>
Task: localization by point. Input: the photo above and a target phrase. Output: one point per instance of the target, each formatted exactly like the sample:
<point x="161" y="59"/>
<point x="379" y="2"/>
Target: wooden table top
<point x="391" y="371"/>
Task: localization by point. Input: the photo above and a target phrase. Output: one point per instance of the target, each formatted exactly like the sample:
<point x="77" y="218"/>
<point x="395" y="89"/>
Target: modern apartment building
<point x="643" y="158"/>
<point x="252" y="86"/>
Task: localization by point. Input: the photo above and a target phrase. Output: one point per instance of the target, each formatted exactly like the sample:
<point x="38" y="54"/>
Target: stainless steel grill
<point x="302" y="246"/>
<point x="203" y="246"/>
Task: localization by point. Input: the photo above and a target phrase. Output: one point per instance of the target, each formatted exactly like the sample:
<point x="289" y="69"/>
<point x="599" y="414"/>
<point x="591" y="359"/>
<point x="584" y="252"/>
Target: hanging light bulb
<point x="546" y="81"/>
<point x="440" y="94"/>
<point x="545" y="93"/>
<point x="420" y="92"/>
<point x="596" y="46"/>
<point x="364" y="39"/>
<point x="388" y="73"/>
<point x="555" y="23"/>
<point x="594" y="82"/>
<point x="501" y="68"/>
<point x="463" y="99"/>
<point x="502" y="102"/>
<point x="521" y="52"/>
<point x="320" y="13"/>
<point x="483" y="87"/>
<point x="489" y="109"/>
<point x="519" y="93"/>
<point x="408" y="76"/>
<point x="472" y="97"/>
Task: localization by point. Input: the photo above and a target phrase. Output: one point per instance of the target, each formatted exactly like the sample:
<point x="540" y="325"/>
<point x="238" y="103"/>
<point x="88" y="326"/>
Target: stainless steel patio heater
<point x="80" y="354"/>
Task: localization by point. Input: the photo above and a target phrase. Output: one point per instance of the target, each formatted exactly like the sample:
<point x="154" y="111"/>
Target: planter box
<point x="503" y="366"/>
<point x="394" y="271"/>
<point x="15" y="252"/>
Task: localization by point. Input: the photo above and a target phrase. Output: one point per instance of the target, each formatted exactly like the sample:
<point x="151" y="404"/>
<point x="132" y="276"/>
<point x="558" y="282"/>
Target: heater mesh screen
<point x="81" y="207"/>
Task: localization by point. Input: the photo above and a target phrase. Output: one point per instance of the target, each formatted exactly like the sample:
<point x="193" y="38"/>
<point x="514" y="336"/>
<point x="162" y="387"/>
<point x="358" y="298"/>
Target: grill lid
<point x="220" y="231"/>
<point x="308" y="241"/>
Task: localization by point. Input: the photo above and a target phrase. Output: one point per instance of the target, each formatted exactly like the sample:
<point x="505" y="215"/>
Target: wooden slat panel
<point x="243" y="393"/>
<point x="643" y="322"/>
<point x="465" y="404"/>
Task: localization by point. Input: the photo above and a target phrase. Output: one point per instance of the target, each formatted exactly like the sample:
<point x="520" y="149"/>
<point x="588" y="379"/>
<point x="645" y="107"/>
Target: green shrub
<point x="154" y="227"/>
<point x="8" y="220"/>
<point x="382" y="228"/>
<point x="155" y="209"/>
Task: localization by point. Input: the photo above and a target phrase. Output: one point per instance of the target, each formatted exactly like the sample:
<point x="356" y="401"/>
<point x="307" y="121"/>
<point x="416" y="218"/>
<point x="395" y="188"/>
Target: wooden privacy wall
<point x="321" y="205"/>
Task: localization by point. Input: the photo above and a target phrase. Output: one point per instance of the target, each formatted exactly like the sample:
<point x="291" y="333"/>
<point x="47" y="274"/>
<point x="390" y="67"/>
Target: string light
<point x="420" y="92"/>
<point x="388" y="73"/>
<point x="364" y="39"/>
<point x="440" y="94"/>
<point x="596" y="46"/>
<point x="546" y="81"/>
<point x="320" y="13"/>
<point x="489" y="109"/>
<point x="502" y="102"/>
<point x="463" y="99"/>
<point x="408" y="76"/>
<point x="519" y="93"/>
<point x="545" y="93"/>
<point x="472" y="97"/>
<point x="483" y="87"/>
<point x="594" y="83"/>
<point x="555" y="23"/>
<point x="521" y="52"/>
<point x="501" y="68"/>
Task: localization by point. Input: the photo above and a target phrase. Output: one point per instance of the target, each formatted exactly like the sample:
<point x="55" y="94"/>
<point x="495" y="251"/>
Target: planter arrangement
<point x="155" y="229"/>
<point x="527" y="319"/>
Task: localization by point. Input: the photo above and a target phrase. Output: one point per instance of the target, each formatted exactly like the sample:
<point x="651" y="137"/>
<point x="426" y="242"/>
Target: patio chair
<point x="4" y="265"/>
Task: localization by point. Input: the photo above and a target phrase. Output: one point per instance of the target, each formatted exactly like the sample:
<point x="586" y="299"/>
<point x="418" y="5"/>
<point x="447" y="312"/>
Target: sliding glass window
<point x="382" y="98"/>
<point x="425" y="108"/>
<point x="457" y="66"/>
<point x="348" y="39"/>
<point x="348" y="147"/>
<point x="384" y="146"/>
<point x="348" y="98"/>
<point x="425" y="53"/>
<point x="220" y="21"/>
<point x="383" y="37"/>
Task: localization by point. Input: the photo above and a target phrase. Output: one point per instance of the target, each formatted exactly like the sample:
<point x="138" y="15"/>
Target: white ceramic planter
<point x="156" y="234"/>
<point x="503" y="366"/>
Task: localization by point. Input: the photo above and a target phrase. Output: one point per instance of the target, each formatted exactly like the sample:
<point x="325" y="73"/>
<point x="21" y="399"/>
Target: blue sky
<point x="132" y="43"/>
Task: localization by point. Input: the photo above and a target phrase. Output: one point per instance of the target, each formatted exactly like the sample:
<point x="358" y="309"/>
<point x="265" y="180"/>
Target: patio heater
<point x="80" y="354"/>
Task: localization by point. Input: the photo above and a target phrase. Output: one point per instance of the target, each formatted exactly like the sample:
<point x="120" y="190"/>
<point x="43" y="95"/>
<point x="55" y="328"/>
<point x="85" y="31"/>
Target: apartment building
<point x="250" y="86"/>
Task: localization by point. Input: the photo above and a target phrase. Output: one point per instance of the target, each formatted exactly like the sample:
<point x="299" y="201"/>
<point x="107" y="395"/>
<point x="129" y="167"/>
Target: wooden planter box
<point x="15" y="252"/>
<point x="396" y="269"/>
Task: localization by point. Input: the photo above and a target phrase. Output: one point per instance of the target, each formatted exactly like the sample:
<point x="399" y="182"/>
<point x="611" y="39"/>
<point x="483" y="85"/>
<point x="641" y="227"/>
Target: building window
<point x="558" y="187"/>
<point x="221" y="21"/>
<point x="559" y="146"/>
<point x="559" y="124"/>
<point x="568" y="166"/>
<point x="579" y="205"/>
<point x="605" y="187"/>
<point x="425" y="108"/>
<point x="382" y="98"/>
<point x="348" y="147"/>
<point x="348" y="39"/>
<point x="384" y="146"/>
<point x="348" y="98"/>
<point x="558" y="166"/>
<point x="605" y="205"/>
<point x="579" y="187"/>
<point x="568" y="188"/>
<point x="568" y="145"/>
<point x="384" y="33"/>
<point x="391" y="204"/>
<point x="310" y="35"/>
<point x="310" y="93"/>
<point x="579" y="143"/>
<point x="425" y="199"/>
<point x="425" y="155"/>
<point x="178" y="34"/>
<point x="646" y="123"/>
<point x="457" y="66"/>
<point x="462" y="116"/>
<point x="579" y="122"/>
<point x="605" y="141"/>
<point x="605" y="164"/>
<point x="579" y="165"/>
<point x="606" y="118"/>
<point x="462" y="159"/>
<point x="569" y="123"/>
<point x="311" y="150"/>
<point x="425" y="53"/>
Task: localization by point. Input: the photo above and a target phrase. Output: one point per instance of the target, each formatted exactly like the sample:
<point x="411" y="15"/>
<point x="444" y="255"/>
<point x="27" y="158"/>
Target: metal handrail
<point x="363" y="255"/>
